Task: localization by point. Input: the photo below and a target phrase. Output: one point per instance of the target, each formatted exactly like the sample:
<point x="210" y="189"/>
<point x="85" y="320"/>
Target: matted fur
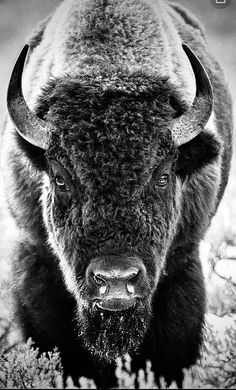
<point x="111" y="75"/>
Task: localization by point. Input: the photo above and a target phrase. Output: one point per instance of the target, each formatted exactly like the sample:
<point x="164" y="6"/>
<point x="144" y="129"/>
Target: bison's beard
<point x="108" y="335"/>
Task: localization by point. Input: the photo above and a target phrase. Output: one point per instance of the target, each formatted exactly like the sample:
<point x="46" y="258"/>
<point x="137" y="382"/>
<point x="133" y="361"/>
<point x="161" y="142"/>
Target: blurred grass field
<point x="218" y="251"/>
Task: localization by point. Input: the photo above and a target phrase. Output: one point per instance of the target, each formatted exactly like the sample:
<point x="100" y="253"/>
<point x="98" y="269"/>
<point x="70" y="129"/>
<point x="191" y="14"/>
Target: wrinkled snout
<point x="116" y="283"/>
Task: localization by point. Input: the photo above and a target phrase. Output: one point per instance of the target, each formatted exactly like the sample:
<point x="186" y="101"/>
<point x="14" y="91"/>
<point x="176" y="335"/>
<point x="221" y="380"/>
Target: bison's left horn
<point x="193" y="121"/>
<point x="28" y="125"/>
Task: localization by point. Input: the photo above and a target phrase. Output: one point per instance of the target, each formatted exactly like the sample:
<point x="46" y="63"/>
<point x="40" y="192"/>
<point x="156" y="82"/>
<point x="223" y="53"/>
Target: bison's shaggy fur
<point x="110" y="76"/>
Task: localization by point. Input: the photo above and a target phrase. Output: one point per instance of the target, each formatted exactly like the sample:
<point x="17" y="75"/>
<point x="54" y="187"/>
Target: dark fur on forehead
<point x="137" y="85"/>
<point x="108" y="112"/>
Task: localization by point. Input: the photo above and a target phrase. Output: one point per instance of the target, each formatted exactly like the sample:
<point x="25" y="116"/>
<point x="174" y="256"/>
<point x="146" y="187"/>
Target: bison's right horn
<point x="29" y="126"/>
<point x="192" y="122"/>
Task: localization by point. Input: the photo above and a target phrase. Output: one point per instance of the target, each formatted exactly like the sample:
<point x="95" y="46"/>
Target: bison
<point x="113" y="170"/>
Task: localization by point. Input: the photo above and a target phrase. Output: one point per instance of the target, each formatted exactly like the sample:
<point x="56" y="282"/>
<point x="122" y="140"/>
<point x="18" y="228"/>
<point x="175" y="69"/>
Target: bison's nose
<point x="116" y="284"/>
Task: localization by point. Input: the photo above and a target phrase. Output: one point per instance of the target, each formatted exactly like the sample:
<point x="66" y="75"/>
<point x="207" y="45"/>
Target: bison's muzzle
<point x="116" y="283"/>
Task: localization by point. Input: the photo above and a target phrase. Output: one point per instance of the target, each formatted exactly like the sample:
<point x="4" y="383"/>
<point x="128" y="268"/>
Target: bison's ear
<point x="35" y="155"/>
<point x="200" y="151"/>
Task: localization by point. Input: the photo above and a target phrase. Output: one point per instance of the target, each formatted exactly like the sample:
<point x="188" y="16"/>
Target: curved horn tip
<point x="186" y="47"/>
<point x="193" y="121"/>
<point x="189" y="51"/>
<point x="25" y="49"/>
<point x="28" y="125"/>
<point x="24" y="52"/>
<point x="15" y="80"/>
<point x="199" y="69"/>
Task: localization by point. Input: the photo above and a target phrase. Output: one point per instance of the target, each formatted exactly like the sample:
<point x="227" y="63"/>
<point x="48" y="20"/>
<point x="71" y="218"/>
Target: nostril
<point x="132" y="281"/>
<point x="130" y="288"/>
<point x="103" y="289"/>
<point x="101" y="283"/>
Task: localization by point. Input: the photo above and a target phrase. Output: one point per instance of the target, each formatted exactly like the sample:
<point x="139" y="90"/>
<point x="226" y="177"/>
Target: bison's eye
<point x="163" y="180"/>
<point x="60" y="183"/>
<point x="61" y="178"/>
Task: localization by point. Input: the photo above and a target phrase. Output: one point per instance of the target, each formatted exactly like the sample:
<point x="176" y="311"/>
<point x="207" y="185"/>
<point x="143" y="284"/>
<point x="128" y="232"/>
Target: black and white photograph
<point x="117" y="194"/>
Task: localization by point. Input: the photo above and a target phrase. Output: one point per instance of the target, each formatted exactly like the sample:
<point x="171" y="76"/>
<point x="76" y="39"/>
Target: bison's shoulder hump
<point x="181" y="14"/>
<point x="36" y="36"/>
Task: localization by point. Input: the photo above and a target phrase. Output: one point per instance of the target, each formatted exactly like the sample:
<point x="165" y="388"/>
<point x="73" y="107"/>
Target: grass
<point x="23" y="367"/>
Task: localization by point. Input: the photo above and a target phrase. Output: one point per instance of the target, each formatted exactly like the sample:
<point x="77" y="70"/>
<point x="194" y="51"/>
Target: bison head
<point x="114" y="149"/>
